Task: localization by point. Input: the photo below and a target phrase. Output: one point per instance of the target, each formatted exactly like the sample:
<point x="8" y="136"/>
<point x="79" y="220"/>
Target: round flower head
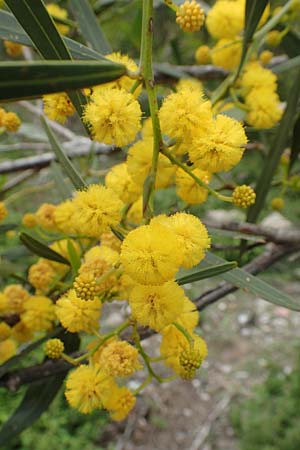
<point x="156" y="306"/>
<point x="277" y="203"/>
<point x="21" y="332"/>
<point x="16" y="298"/>
<point x="257" y="77"/>
<point x="76" y="314"/>
<point x="227" y="53"/>
<point x="188" y="318"/>
<point x="119" y="180"/>
<point x="39" y="313"/>
<point x="226" y="19"/>
<point x="114" y="116"/>
<point x="119" y="359"/>
<point x="3" y="211"/>
<point x="8" y="349"/>
<point x="151" y="254"/>
<point x="13" y="49"/>
<point x="64" y="215"/>
<point x="135" y="214"/>
<point x="41" y="275"/>
<point x="11" y="122"/>
<point x="5" y="331"/>
<point x="190" y="83"/>
<point x="203" y="55"/>
<point x="119" y="401"/>
<point x="243" y="196"/>
<point x="54" y="348"/>
<point x="45" y="216"/>
<point x="222" y="148"/>
<point x="85" y="388"/>
<point x="58" y="106"/>
<point x="110" y="240"/>
<point x="97" y="209"/>
<point x="59" y="13"/>
<point x="274" y="38"/>
<point x="264" y="108"/>
<point x="29" y="220"/>
<point x="265" y="57"/>
<point x="107" y="254"/>
<point x="187" y="188"/>
<point x="190" y="16"/>
<point x="85" y="286"/>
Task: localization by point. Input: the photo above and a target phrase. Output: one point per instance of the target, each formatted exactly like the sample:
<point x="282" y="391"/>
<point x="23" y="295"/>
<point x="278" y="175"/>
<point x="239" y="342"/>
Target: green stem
<point x="143" y="385"/>
<point x="185" y="333"/>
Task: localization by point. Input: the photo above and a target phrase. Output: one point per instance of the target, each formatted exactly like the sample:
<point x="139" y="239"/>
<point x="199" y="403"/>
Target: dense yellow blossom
<point x="16" y="298"/>
<point x="21" y="332"/>
<point x="85" y="286"/>
<point x="5" y="331"/>
<point x="135" y="214"/>
<point x="264" y="108"/>
<point x="60" y="13"/>
<point x="45" y="216"/>
<point x="187" y="188"/>
<point x="188" y="318"/>
<point x="13" y="49"/>
<point x="266" y="56"/>
<point x="3" y="211"/>
<point x="107" y="254"/>
<point x="29" y="220"/>
<point x="119" y="401"/>
<point x="243" y="196"/>
<point x="3" y="303"/>
<point x="190" y="16"/>
<point x="190" y="83"/>
<point x="97" y="209"/>
<point x="222" y="148"/>
<point x="41" y="275"/>
<point x="119" y="180"/>
<point x="203" y="55"/>
<point x="156" y="306"/>
<point x="39" y="313"/>
<point x="76" y="314"/>
<point x="274" y="38"/>
<point x="11" y="122"/>
<point x="151" y="254"/>
<point x="110" y="240"/>
<point x="54" y="348"/>
<point x="227" y="53"/>
<point x="8" y="349"/>
<point x="114" y="116"/>
<point x="119" y="359"/>
<point x="257" y="77"/>
<point x="85" y="388"/>
<point x="58" y="106"/>
<point x="64" y="217"/>
<point x="225" y="19"/>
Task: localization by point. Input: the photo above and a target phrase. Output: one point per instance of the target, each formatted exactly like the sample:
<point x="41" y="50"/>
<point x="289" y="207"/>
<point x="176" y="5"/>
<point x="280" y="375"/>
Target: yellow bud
<point x="3" y="211"/>
<point x="85" y="286"/>
<point x="190" y="16"/>
<point x="277" y="203"/>
<point x="54" y="348"/>
<point x="266" y="56"/>
<point x="274" y="38"/>
<point x="243" y="196"/>
<point x="202" y="55"/>
<point x="11" y="122"/>
<point x="190" y="360"/>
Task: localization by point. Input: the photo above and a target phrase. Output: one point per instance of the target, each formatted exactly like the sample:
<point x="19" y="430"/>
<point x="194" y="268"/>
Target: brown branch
<point x="167" y="73"/>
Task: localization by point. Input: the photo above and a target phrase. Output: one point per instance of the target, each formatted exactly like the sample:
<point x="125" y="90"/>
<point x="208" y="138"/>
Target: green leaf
<point x="295" y="147"/>
<point x="291" y="43"/>
<point x="63" y="188"/>
<point x="287" y="65"/>
<point x="63" y="158"/>
<point x="37" y="398"/>
<point x="20" y="80"/>
<point x="11" y="30"/>
<point x="74" y="256"/>
<point x="7" y="226"/>
<point x="206" y="273"/>
<point x="242" y="279"/>
<point x="41" y="249"/>
<point x="89" y="26"/>
<point x="40" y="27"/>
<point x="281" y="141"/>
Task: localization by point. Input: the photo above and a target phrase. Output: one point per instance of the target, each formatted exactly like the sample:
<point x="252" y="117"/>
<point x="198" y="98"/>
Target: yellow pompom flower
<point x="62" y="247"/>
<point x="85" y="388"/>
<point x="265" y="57"/>
<point x="11" y="122"/>
<point x="97" y="209"/>
<point x="85" y="286"/>
<point x="227" y="53"/>
<point x="5" y="331"/>
<point x="264" y="108"/>
<point x="21" y="332"/>
<point x="13" y="49"/>
<point x="119" y="359"/>
<point x="187" y="188"/>
<point x="190" y="360"/>
<point x="151" y="254"/>
<point x="222" y="148"/>
<point x="16" y="297"/>
<point x="277" y="203"/>
<point x="8" y="349"/>
<point x="190" y="16"/>
<point x="114" y="116"/>
<point x="119" y="180"/>
<point x="3" y="211"/>
<point x="139" y="162"/>
<point x="243" y="196"/>
<point x="135" y="214"/>
<point x="156" y="306"/>
<point x="274" y="38"/>
<point x="103" y="252"/>
<point x="38" y="313"/>
<point x="3" y="304"/>
<point x="188" y="318"/>
<point x="54" y="348"/>
<point x="190" y="83"/>
<point x="119" y="401"/>
<point x="60" y="13"/>
<point x="45" y="216"/>
<point x="41" y="275"/>
<point x="257" y="77"/>
<point x="76" y="314"/>
<point x="29" y="220"/>
<point x="203" y="55"/>
<point x="110" y="240"/>
<point x="64" y="217"/>
<point x="226" y="19"/>
<point x="58" y="106"/>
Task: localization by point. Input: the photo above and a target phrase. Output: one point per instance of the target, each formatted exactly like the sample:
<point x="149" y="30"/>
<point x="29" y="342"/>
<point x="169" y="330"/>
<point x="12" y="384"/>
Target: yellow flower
<point x="147" y="128"/>
<point x="58" y="106"/>
<point x="119" y="359"/>
<point x="243" y="196"/>
<point x="3" y="304"/>
<point x="97" y="209"/>
<point x="109" y="256"/>
<point x="151" y="254"/>
<point x="59" y="13"/>
<point x="119" y="180"/>
<point x="85" y="388"/>
<point x="135" y="214"/>
<point x="257" y="77"/>
<point x="29" y="220"/>
<point x="5" y="331"/>
<point x="41" y="275"/>
<point x="39" y="313"/>
<point x="274" y="38"/>
<point x="222" y="148"/>
<point x="3" y="211"/>
<point x="264" y="108"/>
<point x="110" y="240"/>
<point x="11" y="122"/>
<point x="156" y="306"/>
<point x="277" y="203"/>
<point x="226" y="19"/>
<point x="188" y="318"/>
<point x="190" y="16"/>
<point x="8" y="349"/>
<point x="85" y="286"/>
<point x="54" y="348"/>
<point x="45" y="216"/>
<point x="227" y="53"/>
<point x="64" y="217"/>
<point x="16" y="298"/>
<point x="119" y="401"/>
<point x="190" y="83"/>
<point x="13" y="49"/>
<point x="265" y="57"/>
<point x="114" y="116"/>
<point x="76" y="314"/>
<point x="203" y="55"/>
<point x="139" y="161"/>
<point x="21" y="332"/>
<point x="187" y="188"/>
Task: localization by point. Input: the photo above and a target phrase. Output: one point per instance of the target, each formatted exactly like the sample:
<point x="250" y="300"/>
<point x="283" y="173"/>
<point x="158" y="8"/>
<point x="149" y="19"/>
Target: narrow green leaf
<point x="37" y="398"/>
<point x="63" y="158"/>
<point x="242" y="279"/>
<point x="295" y="147"/>
<point x="19" y="80"/>
<point x="74" y="257"/>
<point x="11" y="30"/>
<point x="287" y="65"/>
<point x="281" y="141"/>
<point x="60" y="184"/>
<point x="206" y="273"/>
<point x="41" y="249"/>
<point x="89" y="26"/>
<point x="7" y="226"/>
<point x="291" y="43"/>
